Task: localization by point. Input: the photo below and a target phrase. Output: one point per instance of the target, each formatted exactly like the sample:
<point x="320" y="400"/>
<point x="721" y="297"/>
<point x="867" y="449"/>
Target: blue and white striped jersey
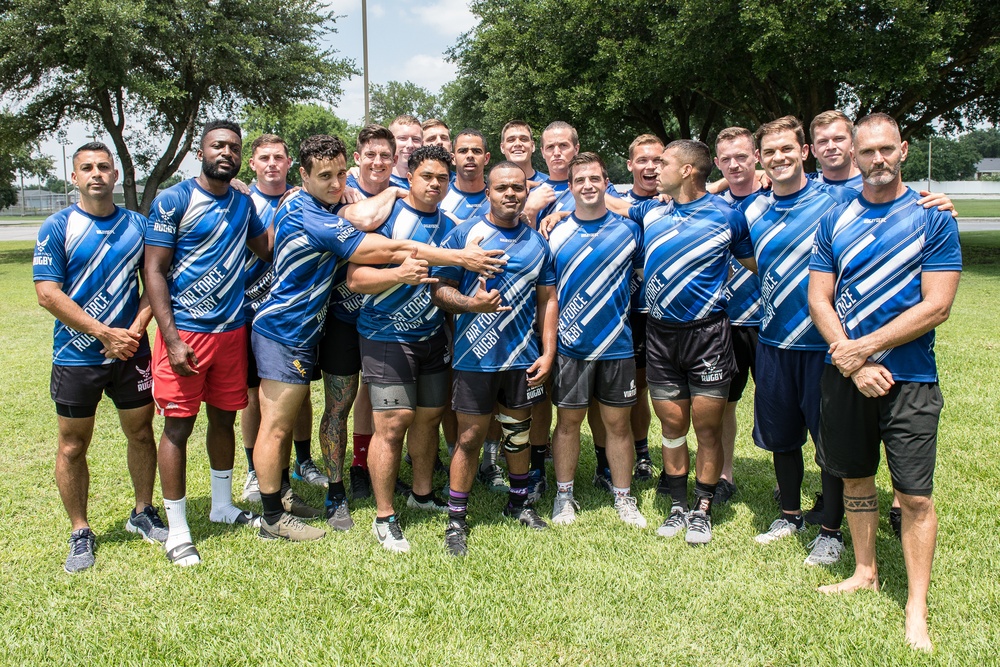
<point x="353" y="183"/>
<point x="309" y="241"/>
<point x="632" y="198"/>
<point x="404" y="313"/>
<point x="743" y="286"/>
<point x="539" y="177"/>
<point x="877" y="253"/>
<point x="258" y="274"/>
<point x="97" y="261"/>
<point x="564" y="198"/>
<point x="782" y="228"/>
<point x="687" y="251"/>
<point x="502" y="340"/>
<point x="853" y="183"/>
<point x="399" y="181"/>
<point x="593" y="261"/>
<point x="461" y="206"/>
<point x="208" y="235"/>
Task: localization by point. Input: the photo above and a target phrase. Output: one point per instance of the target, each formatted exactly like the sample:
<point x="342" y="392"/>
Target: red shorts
<point x="221" y="380"/>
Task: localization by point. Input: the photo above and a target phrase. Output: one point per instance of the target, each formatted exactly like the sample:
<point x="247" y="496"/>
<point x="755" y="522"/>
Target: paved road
<point x="29" y="231"/>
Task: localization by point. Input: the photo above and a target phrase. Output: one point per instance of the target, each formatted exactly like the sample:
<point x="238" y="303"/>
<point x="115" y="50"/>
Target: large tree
<point x="150" y="71"/>
<point x="396" y="98"/>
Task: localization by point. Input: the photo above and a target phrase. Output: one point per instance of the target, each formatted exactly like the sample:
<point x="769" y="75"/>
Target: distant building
<point x="988" y="167"/>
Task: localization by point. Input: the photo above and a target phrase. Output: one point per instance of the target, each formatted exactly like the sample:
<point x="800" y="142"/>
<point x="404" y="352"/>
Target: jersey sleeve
<point x="637" y="212"/>
<point x="331" y="232"/>
<point x="942" y="251"/>
<point x="455" y="240"/>
<point x="612" y="190"/>
<point x="547" y="276"/>
<point x="164" y="218"/>
<point x="256" y="226"/>
<point x="741" y="246"/>
<point x="822" y="252"/>
<point x="49" y="262"/>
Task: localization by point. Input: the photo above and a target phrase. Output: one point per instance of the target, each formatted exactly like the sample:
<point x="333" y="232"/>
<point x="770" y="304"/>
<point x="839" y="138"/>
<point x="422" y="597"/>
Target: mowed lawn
<point x="595" y="593"/>
<point x="978" y="208"/>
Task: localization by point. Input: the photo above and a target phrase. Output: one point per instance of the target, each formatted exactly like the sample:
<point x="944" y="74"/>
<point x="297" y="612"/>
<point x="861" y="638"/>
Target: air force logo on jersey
<point x="164" y="221"/>
<point x="42" y="256"/>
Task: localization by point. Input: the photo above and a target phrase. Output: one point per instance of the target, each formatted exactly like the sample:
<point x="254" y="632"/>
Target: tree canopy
<point x="150" y="71"/>
<point x="396" y="98"/>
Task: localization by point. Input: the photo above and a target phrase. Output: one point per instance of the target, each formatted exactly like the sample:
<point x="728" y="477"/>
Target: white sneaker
<point x="628" y="512"/>
<point x="779" y="529"/>
<point x="825" y="551"/>
<point x="699" y="528"/>
<point x="564" y="509"/>
<point x="390" y="535"/>
<point x="674" y="524"/>
<point x="251" y="489"/>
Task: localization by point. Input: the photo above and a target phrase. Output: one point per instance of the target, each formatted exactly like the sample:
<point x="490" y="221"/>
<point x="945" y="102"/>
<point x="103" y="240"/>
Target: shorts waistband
<point x="711" y="319"/>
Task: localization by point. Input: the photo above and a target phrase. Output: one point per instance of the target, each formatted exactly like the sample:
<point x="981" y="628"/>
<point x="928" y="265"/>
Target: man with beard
<point x="194" y="263"/>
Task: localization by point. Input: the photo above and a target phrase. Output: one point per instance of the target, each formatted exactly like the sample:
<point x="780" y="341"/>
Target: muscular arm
<point x="617" y="205"/>
<point x="447" y="297"/>
<point x="373" y="280"/>
<point x="122" y="343"/>
<point x="821" y="309"/>
<point x="368" y="215"/>
<point x="548" y="318"/>
<point x="262" y="245"/>
<point x="376" y="249"/>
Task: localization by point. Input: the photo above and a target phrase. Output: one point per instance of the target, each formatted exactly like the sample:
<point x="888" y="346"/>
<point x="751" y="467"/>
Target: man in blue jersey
<point x="466" y="197"/>
<point x="409" y="137"/>
<point x="643" y="159"/>
<point x="310" y="242"/>
<point x="690" y="363"/>
<point x="595" y="252"/>
<point x="375" y="157"/>
<point x="883" y="275"/>
<point x="86" y="272"/>
<point x="736" y="157"/>
<point x="270" y="162"/>
<point x="833" y="149"/>
<point x="517" y="145"/>
<point x="195" y="243"/>
<point x="497" y="357"/>
<point x="560" y="144"/>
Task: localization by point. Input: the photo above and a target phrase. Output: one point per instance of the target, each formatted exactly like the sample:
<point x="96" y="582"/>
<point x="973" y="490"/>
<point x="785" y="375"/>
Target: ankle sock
<point x="177" y="526"/>
<point x="677" y="485"/>
<point x="223" y="510"/>
<point x="642" y="449"/>
<point x="249" y="453"/>
<point x="458" y="505"/>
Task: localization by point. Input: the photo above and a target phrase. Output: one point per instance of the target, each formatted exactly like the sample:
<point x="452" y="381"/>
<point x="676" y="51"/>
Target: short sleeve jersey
<point x="877" y="253"/>
<point x="399" y="181"/>
<point x="632" y="198"/>
<point x="404" y="313"/>
<point x="782" y="228"/>
<point x="96" y="260"/>
<point x="687" y="251"/>
<point x="593" y="261"/>
<point x="853" y="183"/>
<point x="258" y="274"/>
<point x="309" y="241"/>
<point x="461" y="206"/>
<point x="208" y="235"/>
<point x="539" y="177"/>
<point x="486" y="342"/>
<point x="564" y="198"/>
<point x="352" y="182"/>
<point x="743" y="286"/>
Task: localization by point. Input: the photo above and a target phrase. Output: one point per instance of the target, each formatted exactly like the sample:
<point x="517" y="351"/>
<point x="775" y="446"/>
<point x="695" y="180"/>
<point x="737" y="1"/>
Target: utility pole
<point x="928" y="164"/>
<point x="65" y="176"/>
<point x="364" y="40"/>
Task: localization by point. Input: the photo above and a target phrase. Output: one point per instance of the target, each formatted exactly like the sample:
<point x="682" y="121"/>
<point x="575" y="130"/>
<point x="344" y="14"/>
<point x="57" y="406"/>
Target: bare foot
<point x="851" y="584"/>
<point x="916" y="631"/>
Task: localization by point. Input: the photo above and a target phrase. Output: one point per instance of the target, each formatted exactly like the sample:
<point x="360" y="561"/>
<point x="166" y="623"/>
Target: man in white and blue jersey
<point x="736" y="157"/>
<point x="404" y="349"/>
<point x="498" y="357"/>
<point x="833" y="149"/>
<point x="883" y="275"/>
<point x="409" y="137"/>
<point x="466" y="198"/>
<point x="86" y="272"/>
<point x="518" y="145"/>
<point x="595" y="253"/>
<point x="270" y="162"/>
<point x="196" y="238"/>
<point x="690" y="364"/>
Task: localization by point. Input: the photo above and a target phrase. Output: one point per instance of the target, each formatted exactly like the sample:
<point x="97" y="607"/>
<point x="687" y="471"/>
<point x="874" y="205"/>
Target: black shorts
<point x="690" y="358"/>
<point x="340" y="348"/>
<point x="787" y="407"/>
<point x="610" y="381"/>
<point x="853" y="426"/>
<point x="385" y="362"/>
<point x="77" y="390"/>
<point x="475" y="393"/>
<point x="745" y="353"/>
<point x="637" y="321"/>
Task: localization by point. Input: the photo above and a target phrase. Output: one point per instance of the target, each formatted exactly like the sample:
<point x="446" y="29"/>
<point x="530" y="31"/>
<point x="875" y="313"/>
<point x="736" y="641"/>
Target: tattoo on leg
<point x="861" y="503"/>
<point x="340" y="393"/>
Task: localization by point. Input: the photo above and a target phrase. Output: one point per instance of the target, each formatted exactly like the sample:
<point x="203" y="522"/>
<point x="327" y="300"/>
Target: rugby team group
<point x="473" y="295"/>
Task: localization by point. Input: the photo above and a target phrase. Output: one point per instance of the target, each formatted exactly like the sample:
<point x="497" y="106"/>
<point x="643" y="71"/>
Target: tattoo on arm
<point x="447" y="297"/>
<point x="340" y="393"/>
<point x="861" y="503"/>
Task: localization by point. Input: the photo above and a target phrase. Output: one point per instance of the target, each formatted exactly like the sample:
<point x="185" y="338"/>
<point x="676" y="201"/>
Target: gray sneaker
<point x="338" y="516"/>
<point x="82" y="545"/>
<point x="148" y="524"/>
<point x="675" y="522"/>
<point x="390" y="535"/>
<point x="288" y="527"/>
<point x="629" y="512"/>
<point x="433" y="504"/>
<point x="294" y="505"/>
<point x="564" y="509"/>
<point x="825" y="550"/>
<point x="779" y="529"/>
<point x="699" y="528"/>
<point x="310" y="474"/>
<point x="251" y="489"/>
<point x="491" y="476"/>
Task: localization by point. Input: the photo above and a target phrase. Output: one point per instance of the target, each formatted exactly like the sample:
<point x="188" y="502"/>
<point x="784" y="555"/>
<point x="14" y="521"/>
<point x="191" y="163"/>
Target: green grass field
<point x="596" y="593"/>
<point x="978" y="208"/>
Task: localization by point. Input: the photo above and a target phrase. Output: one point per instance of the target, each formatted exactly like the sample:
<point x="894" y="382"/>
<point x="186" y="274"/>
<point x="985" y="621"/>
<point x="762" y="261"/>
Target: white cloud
<point x="431" y="72"/>
<point x="343" y="6"/>
<point x="449" y="17"/>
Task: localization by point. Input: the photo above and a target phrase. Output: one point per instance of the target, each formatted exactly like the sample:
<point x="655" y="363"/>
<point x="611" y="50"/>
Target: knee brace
<point x="515" y="433"/>
<point x="675" y="442"/>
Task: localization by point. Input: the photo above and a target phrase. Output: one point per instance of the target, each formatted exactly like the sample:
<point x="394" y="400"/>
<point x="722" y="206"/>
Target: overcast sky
<point x="407" y="40"/>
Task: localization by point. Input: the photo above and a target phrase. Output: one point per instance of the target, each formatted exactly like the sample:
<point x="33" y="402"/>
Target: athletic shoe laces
<point x="79" y="543"/>
<point x="153" y="516"/>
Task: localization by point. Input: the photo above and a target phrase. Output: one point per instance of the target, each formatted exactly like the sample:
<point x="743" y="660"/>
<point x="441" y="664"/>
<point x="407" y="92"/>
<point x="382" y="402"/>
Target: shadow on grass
<point x="17" y="256"/>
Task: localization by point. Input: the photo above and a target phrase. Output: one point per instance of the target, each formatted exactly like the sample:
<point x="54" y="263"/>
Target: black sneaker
<point x="643" y="470"/>
<point x="662" y="488"/>
<point x="148" y="524"/>
<point x="724" y="491"/>
<point x="361" y="484"/>
<point x="455" y="536"/>
<point x="602" y="480"/>
<point x="526" y="515"/>
<point x="82" y="545"/>
<point x="814" y="517"/>
<point x="896" y="521"/>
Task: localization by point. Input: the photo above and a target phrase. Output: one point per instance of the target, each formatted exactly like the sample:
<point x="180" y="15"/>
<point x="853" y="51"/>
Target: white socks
<point x="223" y="510"/>
<point x="178" y="532"/>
